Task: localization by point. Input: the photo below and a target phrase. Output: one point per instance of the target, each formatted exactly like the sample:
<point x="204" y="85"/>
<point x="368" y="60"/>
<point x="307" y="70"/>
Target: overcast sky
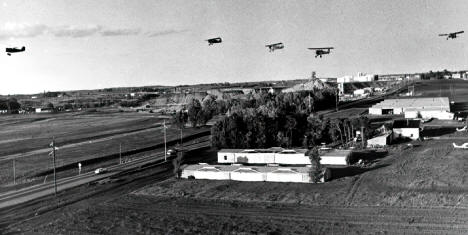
<point x="95" y="44"/>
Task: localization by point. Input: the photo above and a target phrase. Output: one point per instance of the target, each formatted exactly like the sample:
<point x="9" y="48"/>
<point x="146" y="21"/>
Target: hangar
<point x="435" y="107"/>
<point x="247" y="173"/>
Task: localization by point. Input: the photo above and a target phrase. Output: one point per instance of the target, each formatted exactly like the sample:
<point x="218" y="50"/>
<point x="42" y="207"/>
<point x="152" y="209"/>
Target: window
<point x="225" y="157"/>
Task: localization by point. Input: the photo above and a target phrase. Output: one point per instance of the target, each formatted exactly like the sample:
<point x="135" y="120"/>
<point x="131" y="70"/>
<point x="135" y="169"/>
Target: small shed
<point x="380" y="140"/>
<point x="406" y="128"/>
<point x="336" y="157"/>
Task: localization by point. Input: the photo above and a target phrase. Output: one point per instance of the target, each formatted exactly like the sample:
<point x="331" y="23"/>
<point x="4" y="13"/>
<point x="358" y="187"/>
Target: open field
<point x="80" y="138"/>
<point x="414" y="191"/>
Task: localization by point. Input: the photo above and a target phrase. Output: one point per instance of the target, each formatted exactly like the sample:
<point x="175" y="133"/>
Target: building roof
<point x="241" y="168"/>
<point x="406" y="123"/>
<point x="269" y="150"/>
<point x="434" y="103"/>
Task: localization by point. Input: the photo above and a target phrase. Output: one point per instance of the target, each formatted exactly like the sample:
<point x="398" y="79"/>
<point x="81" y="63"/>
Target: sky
<point x="93" y="44"/>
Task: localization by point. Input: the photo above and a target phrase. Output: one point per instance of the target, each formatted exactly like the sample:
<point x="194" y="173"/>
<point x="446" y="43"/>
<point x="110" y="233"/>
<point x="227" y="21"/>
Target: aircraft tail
<point x="456" y="146"/>
<point x="23" y="48"/>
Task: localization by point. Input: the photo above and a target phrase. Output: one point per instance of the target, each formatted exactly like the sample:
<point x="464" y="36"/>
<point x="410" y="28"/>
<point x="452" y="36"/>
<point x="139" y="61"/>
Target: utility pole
<point x="120" y="153"/>
<point x="14" y="171"/>
<point x="337" y="98"/>
<point x="165" y="146"/>
<point x="55" y="174"/>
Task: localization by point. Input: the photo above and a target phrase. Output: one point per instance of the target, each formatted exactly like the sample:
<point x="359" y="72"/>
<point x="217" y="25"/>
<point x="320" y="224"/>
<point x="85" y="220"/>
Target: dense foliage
<point x="285" y="120"/>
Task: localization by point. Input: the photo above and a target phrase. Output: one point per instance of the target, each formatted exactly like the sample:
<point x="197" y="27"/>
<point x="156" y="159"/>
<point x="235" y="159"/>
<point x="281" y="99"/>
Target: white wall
<point x="411" y="114"/>
<point x="397" y="110"/>
<point x="279" y="176"/>
<point x="248" y="176"/>
<point x="324" y="160"/>
<point x="377" y="141"/>
<point x="412" y="133"/>
<point x="259" y="158"/>
<point x="296" y="158"/>
<point x="442" y="115"/>
<point x="224" y="157"/>
<point x="375" y="111"/>
<point x="212" y="175"/>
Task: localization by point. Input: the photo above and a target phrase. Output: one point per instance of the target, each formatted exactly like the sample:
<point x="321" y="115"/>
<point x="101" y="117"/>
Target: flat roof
<point x="434" y="103"/>
<point x="269" y="150"/>
<point x="336" y="153"/>
<point x="230" y="168"/>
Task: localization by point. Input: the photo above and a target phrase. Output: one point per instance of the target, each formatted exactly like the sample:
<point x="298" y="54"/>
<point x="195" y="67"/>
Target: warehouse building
<point x="436" y="107"/>
<point x="247" y="173"/>
<point x="264" y="156"/>
<point x="406" y="129"/>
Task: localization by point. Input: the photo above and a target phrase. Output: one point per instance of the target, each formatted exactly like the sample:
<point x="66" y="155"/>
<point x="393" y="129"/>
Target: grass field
<point x="419" y="190"/>
<point x="80" y="137"/>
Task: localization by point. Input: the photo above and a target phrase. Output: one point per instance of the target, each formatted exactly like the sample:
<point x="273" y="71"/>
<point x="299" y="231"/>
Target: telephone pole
<point x="14" y="171"/>
<point x="165" y="146"/>
<point x="55" y="173"/>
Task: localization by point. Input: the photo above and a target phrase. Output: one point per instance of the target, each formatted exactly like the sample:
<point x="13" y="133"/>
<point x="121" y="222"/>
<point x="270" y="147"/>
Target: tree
<point x="177" y="162"/>
<point x="336" y="125"/>
<point x="194" y="112"/>
<point x="290" y="125"/>
<point x="315" y="128"/>
<point x="316" y="168"/>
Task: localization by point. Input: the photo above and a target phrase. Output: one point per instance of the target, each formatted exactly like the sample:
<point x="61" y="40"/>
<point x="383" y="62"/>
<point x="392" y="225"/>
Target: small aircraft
<point x="451" y="35"/>
<point x="462" y="129"/>
<point x="463" y="146"/>
<point x="212" y="41"/>
<point x="319" y="51"/>
<point x="275" y="46"/>
<point x="10" y="50"/>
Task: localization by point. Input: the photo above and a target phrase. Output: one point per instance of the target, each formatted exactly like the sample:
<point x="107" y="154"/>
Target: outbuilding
<point x="435" y="107"/>
<point x="406" y="128"/>
<point x="336" y="157"/>
<point x="381" y="140"/>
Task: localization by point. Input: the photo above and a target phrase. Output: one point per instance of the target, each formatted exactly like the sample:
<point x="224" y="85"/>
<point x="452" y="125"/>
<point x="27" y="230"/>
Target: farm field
<point x="79" y="137"/>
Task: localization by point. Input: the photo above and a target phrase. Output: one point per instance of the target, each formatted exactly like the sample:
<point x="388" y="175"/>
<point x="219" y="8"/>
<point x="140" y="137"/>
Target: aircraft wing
<point x="443" y="34"/>
<point x="459" y="32"/>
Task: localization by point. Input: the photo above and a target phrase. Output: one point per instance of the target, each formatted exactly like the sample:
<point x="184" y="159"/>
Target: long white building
<point x="247" y="173"/>
<point x="264" y="156"/>
<point x="436" y="107"/>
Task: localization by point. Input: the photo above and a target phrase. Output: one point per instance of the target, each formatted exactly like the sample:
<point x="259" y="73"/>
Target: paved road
<point x="26" y="194"/>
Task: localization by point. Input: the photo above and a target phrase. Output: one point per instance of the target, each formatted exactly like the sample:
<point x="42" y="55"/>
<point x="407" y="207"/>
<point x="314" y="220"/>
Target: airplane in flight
<point x="212" y="41"/>
<point x="319" y="51"/>
<point x="451" y="35"/>
<point x="275" y="46"/>
<point x="463" y="146"/>
<point x="10" y="50"/>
